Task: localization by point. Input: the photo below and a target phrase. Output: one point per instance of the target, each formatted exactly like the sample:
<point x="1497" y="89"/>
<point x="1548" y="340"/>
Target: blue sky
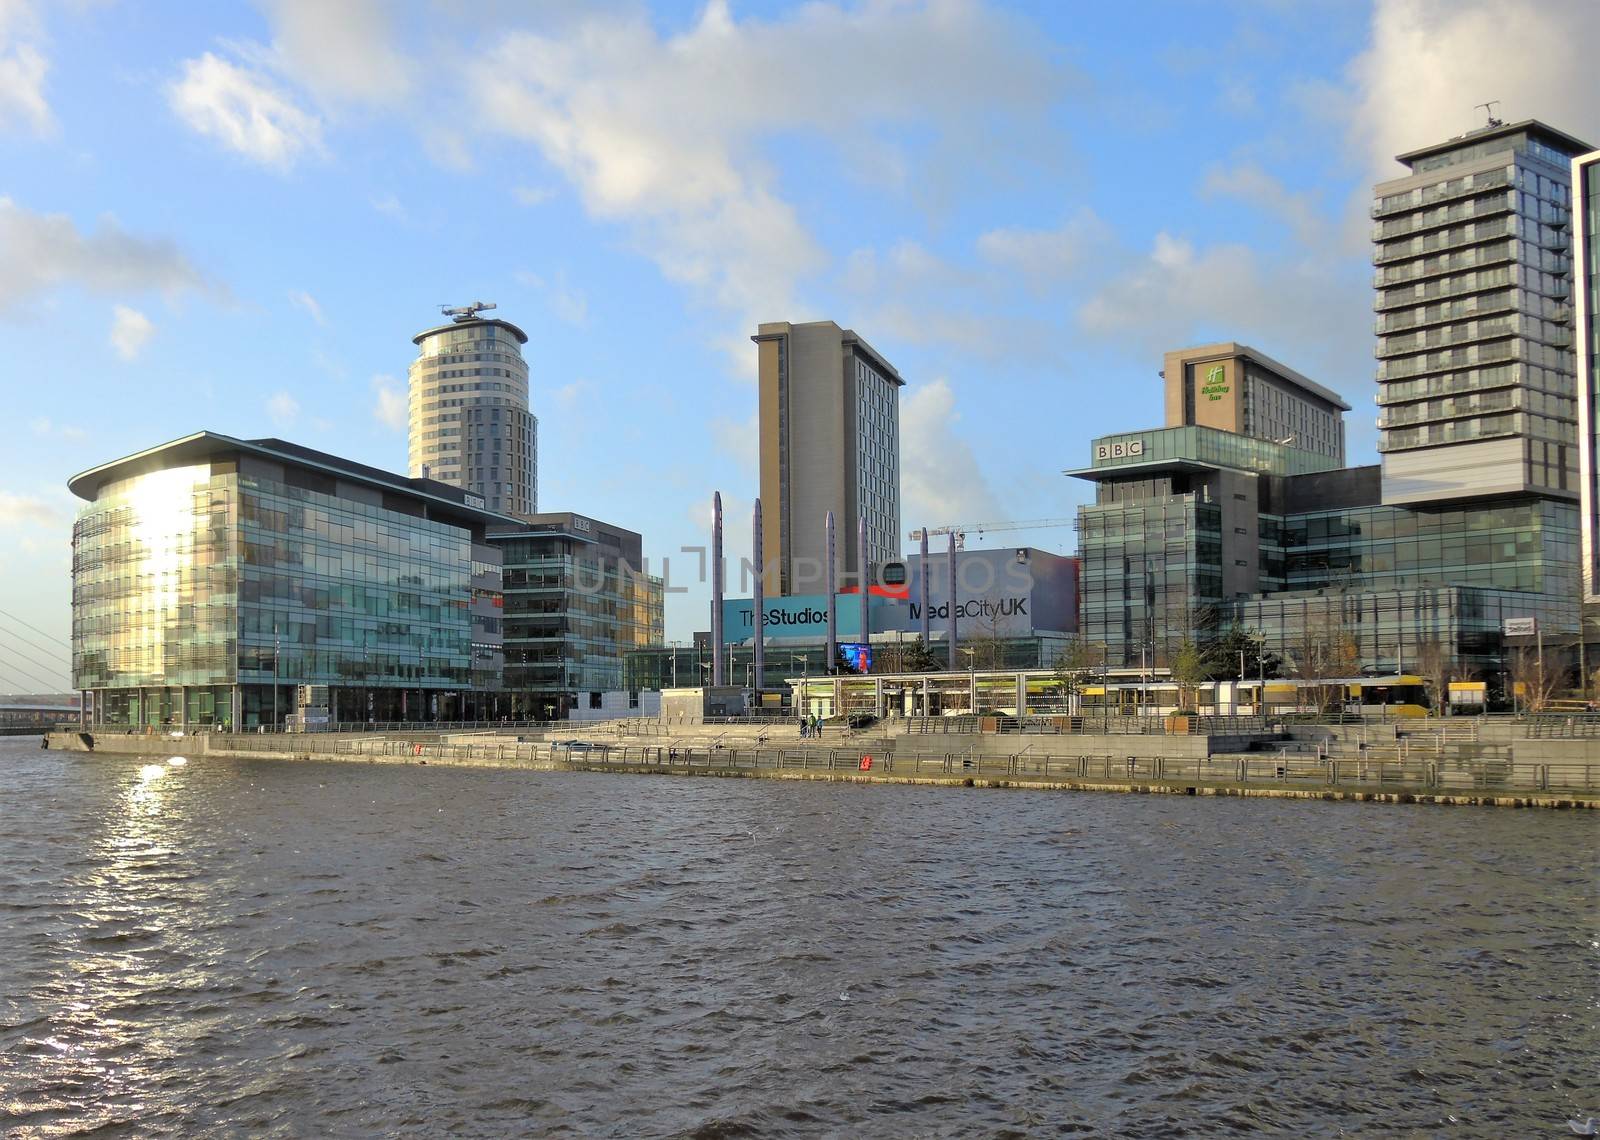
<point x="234" y="217"/>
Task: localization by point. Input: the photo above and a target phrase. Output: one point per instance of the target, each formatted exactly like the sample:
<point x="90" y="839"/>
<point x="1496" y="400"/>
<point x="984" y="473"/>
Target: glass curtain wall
<point x="341" y="593"/>
<point x="154" y="598"/>
<point x="1151" y="571"/>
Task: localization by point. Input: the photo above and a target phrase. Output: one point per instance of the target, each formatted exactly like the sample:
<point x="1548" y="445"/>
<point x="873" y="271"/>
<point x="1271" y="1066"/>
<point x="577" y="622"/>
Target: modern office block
<point x="469" y="417"/>
<point x="1473" y="260"/>
<point x="576" y="600"/>
<point x="1205" y="530"/>
<point x="830" y="441"/>
<point x="218" y="581"/>
<point x="1236" y="388"/>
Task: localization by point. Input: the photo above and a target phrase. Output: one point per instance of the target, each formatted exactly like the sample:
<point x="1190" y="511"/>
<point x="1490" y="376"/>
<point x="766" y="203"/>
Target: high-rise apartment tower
<point x="830" y="441"/>
<point x="470" y="424"/>
<point x="1586" y="317"/>
<point x="1473" y="263"/>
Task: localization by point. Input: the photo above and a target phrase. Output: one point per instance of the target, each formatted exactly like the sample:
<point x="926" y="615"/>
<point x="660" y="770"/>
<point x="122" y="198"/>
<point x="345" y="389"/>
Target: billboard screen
<point x="856" y="655"/>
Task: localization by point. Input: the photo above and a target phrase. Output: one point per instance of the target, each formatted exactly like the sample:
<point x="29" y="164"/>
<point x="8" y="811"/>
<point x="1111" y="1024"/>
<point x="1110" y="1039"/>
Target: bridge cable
<point x="49" y="686"/>
<point x="65" y="659"/>
<point x="49" y="669"/>
<point x="36" y="629"/>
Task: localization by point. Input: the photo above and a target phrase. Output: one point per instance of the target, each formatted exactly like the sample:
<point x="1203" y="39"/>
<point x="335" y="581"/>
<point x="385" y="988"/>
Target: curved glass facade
<point x="205" y="593"/>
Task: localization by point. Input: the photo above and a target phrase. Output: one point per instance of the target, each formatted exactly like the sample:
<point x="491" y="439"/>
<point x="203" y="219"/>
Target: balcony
<point x="1444" y="192"/>
<point x="1473" y="356"/>
<point x="1474" y="234"/>
<point x="1407" y="414"/>
<point x="1501" y="302"/>
<point x="1465" y="332"/>
<point x="1483" y="207"/>
<point x="1408" y="296"/>
<point x="1459" y="431"/>
<point x="1433" y="387"/>
<point x="1499" y="252"/>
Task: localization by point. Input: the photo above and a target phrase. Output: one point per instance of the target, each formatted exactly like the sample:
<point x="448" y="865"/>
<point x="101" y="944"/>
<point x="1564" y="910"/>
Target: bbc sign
<point x="1123" y="449"/>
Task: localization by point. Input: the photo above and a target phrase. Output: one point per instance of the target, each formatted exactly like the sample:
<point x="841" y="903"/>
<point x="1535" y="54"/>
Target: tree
<point x="1326" y="649"/>
<point x="1433" y="665"/>
<point x="1537" y="678"/>
<point x="1189" y="668"/>
<point x="1259" y="661"/>
<point x="1073" y="666"/>
<point x="987" y="644"/>
<point x="918" y="658"/>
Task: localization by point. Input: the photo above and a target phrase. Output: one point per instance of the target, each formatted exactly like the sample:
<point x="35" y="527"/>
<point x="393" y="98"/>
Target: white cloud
<point x="740" y="441"/>
<point x="1045" y="257"/>
<point x="341" y="51"/>
<point x="131" y="330"/>
<point x="667" y="135"/>
<point x="41" y="251"/>
<point x="389" y="403"/>
<point x="1179" y="294"/>
<point x="283" y="408"/>
<point x="23" y="67"/>
<point x="568" y="396"/>
<point x="1431" y="60"/>
<point x="18" y="511"/>
<point x="389" y="206"/>
<point x="940" y="479"/>
<point x="22" y="101"/>
<point x="1250" y="183"/>
<point x="300" y="299"/>
<point x="46" y="428"/>
<point x="245" y="111"/>
<point x="532" y="195"/>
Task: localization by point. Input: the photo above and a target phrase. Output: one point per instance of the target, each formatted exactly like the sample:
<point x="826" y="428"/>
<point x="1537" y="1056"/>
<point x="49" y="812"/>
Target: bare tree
<point x="1537" y="678"/>
<point x="1326" y="649"/>
<point x="1189" y="668"/>
<point x="987" y="643"/>
<point x="1433" y="665"/>
<point x="1073" y="666"/>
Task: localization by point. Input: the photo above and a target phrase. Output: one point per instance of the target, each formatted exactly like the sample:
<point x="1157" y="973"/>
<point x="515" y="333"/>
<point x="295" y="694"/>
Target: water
<point x="279" y="949"/>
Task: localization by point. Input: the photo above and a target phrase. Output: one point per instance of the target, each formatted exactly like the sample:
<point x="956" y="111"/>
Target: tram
<point x="1394" y="695"/>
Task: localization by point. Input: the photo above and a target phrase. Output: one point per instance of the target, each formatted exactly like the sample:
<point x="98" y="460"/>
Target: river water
<point x="229" y="948"/>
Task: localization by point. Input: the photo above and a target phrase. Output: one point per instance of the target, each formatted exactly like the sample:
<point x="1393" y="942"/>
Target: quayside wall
<point x="1117" y="769"/>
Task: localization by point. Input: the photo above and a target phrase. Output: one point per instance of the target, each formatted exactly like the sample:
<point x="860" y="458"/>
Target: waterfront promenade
<point x="1425" y="766"/>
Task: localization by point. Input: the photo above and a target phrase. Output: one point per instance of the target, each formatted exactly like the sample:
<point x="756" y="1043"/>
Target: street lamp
<point x="805" y="675"/>
<point x="277" y="647"/>
<point x="972" y="674"/>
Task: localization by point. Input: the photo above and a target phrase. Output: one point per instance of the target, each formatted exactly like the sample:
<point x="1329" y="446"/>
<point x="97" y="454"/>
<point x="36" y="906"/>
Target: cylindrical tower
<point x="470" y="423"/>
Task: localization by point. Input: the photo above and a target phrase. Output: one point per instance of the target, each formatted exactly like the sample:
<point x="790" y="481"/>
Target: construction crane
<point x="467" y="312"/>
<point x="960" y="530"/>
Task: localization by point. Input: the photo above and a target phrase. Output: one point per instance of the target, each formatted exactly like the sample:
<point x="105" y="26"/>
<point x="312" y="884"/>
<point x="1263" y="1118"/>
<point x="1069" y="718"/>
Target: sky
<point x="234" y="217"/>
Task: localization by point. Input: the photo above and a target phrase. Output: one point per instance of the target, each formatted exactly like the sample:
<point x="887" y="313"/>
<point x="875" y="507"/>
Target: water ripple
<point x="233" y="948"/>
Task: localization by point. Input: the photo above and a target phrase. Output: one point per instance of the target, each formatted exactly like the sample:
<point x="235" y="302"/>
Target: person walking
<point x="803" y="726"/>
<point x="816" y="727"/>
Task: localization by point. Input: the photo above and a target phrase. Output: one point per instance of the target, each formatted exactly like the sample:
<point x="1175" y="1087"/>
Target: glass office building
<point x="577" y="600"/>
<point x="214" y="578"/>
<point x="1192" y="536"/>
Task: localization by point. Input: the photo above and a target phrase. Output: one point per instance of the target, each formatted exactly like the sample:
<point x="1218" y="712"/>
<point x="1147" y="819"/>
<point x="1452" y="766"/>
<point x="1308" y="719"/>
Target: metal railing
<point x="1373" y="772"/>
<point x="1399" y="766"/>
